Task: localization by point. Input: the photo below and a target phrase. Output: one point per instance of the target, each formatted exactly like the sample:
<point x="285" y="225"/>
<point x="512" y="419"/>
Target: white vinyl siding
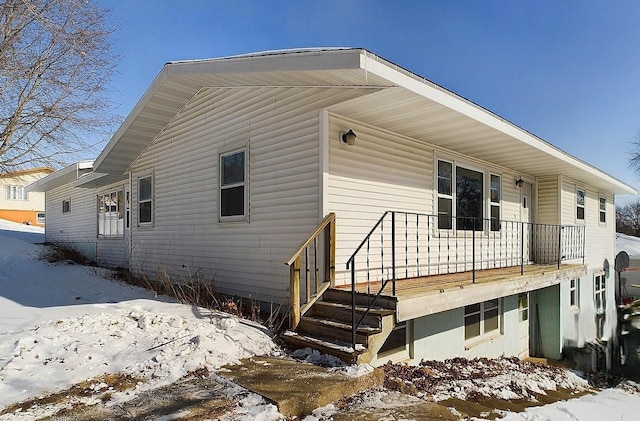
<point x="78" y="229"/>
<point x="281" y="129"/>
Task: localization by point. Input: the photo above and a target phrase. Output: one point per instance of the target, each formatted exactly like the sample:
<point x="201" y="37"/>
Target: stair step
<point x="324" y="330"/>
<point x="344" y="297"/>
<point x="376" y="310"/>
<point x="333" y="324"/>
<point x="342" y="350"/>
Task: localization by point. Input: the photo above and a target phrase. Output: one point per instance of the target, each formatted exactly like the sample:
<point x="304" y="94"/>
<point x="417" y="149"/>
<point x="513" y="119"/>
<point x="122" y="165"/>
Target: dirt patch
<point x="97" y="389"/>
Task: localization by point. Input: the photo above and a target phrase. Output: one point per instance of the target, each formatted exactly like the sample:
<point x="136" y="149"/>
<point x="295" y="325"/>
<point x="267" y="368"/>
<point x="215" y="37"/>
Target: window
<point x="599" y="292"/>
<point x="481" y="319"/>
<point x="233" y="192"/>
<point x="523" y="307"/>
<point x="66" y="206"/>
<point x="145" y="200"/>
<point x="445" y="195"/>
<point x="40" y="218"/>
<point x="494" y="200"/>
<point x="580" y="195"/>
<point x="468" y="194"/>
<point x="111" y="214"/>
<point x="603" y="209"/>
<point x="15" y="193"/>
<point x="574" y="292"/>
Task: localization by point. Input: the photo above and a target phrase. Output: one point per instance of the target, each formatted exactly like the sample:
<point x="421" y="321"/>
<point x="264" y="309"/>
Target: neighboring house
<point x="18" y="205"/>
<point x="493" y="241"/>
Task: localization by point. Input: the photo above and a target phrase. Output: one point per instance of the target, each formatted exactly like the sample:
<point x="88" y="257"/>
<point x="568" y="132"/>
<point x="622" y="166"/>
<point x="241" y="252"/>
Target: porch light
<point x="349" y="137"/>
<point x="519" y="182"/>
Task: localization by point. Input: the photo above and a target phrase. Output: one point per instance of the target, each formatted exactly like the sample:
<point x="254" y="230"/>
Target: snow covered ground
<point x="628" y="243"/>
<point x="62" y="324"/>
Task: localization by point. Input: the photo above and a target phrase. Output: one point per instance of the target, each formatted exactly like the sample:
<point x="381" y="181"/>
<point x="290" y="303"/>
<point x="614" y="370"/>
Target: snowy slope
<point x="62" y="323"/>
<point x="629" y="244"/>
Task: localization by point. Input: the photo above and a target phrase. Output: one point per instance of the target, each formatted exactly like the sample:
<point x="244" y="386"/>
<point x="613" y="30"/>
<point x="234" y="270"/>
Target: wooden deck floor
<point x="412" y="287"/>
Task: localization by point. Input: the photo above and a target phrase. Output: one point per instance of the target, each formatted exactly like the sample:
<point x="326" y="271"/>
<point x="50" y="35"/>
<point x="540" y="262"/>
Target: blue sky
<point x="567" y="71"/>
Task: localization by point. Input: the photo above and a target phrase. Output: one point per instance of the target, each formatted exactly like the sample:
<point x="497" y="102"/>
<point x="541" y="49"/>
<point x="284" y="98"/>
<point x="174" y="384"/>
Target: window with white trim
<point x="495" y="198"/>
<point x="40" y="218"/>
<point x="467" y="193"/>
<point x="145" y="200"/>
<point x="574" y="293"/>
<point x="482" y="319"/>
<point x="15" y="193"/>
<point x="603" y="210"/>
<point x="233" y="185"/>
<point x="580" y="204"/>
<point x="523" y="307"/>
<point x="600" y="293"/>
<point x="111" y="214"/>
<point x="66" y="206"/>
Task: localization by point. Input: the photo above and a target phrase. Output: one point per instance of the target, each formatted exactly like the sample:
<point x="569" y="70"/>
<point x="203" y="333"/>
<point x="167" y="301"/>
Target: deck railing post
<point x="560" y="228"/>
<point x="473" y="252"/>
<point x="393" y="252"/>
<point x="521" y="248"/>
<point x="353" y="304"/>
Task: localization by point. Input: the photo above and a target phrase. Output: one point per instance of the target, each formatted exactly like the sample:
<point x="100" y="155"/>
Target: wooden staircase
<point x="327" y="326"/>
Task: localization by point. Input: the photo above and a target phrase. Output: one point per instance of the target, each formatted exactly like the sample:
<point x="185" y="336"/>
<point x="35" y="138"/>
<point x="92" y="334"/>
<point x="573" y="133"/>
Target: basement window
<point x="40" y="218"/>
<point x="523" y="307"/>
<point x="482" y="319"/>
<point x="574" y="293"/>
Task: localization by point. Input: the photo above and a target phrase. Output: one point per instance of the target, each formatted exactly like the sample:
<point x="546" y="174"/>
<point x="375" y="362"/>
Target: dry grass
<point x="114" y="382"/>
<point x="54" y="253"/>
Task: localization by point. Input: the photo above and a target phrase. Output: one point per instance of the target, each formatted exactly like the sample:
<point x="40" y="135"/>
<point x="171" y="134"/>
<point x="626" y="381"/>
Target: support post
<point x="521" y="248"/>
<point x="393" y="253"/>
<point x="559" y="246"/>
<point x="294" y="293"/>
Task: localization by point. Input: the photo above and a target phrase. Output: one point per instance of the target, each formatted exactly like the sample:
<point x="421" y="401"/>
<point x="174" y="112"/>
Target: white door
<point x="523" y="324"/>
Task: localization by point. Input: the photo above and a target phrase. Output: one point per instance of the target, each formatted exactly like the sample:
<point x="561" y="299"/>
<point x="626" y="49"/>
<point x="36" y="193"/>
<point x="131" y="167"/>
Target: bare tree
<point x="55" y="66"/>
<point x="634" y="158"/>
<point x="628" y="218"/>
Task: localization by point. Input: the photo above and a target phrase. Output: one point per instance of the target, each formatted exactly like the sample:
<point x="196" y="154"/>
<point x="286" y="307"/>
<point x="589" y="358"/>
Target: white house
<point x="491" y="240"/>
<point x="16" y="204"/>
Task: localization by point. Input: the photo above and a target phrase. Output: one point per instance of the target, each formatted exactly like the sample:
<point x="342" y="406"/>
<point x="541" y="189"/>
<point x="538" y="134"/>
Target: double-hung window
<point x="233" y="185"/>
<point x="15" y="193"/>
<point x="465" y="188"/>
<point x="66" y="206"/>
<point x="494" y="200"/>
<point x="523" y="307"/>
<point x="603" y="210"/>
<point x="580" y="204"/>
<point x="145" y="200"/>
<point x="481" y="319"/>
<point x="111" y="214"/>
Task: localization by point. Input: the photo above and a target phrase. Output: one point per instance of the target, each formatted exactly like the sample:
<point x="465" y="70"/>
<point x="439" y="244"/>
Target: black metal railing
<point x="407" y="245"/>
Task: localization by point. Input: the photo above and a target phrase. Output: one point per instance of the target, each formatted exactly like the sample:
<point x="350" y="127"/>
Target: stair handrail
<point x="297" y="309"/>
<point x="351" y="265"/>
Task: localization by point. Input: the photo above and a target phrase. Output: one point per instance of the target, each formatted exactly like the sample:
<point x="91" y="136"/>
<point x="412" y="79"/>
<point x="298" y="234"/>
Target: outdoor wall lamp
<point x="349" y="137"/>
<point x="519" y="182"/>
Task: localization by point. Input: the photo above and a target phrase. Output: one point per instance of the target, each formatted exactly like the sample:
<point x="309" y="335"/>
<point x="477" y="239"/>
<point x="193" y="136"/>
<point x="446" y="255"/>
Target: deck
<point x="422" y="296"/>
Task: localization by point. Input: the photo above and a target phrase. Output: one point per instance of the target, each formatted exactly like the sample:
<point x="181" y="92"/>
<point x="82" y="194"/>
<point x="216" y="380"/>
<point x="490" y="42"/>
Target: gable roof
<point x="28" y="171"/>
<point x="402" y="102"/>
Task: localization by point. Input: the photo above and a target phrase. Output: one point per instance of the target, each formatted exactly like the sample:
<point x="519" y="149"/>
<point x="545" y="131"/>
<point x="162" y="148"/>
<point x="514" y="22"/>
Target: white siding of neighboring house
<point x="35" y="200"/>
<point x="384" y="171"/>
<point x="280" y="127"/>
